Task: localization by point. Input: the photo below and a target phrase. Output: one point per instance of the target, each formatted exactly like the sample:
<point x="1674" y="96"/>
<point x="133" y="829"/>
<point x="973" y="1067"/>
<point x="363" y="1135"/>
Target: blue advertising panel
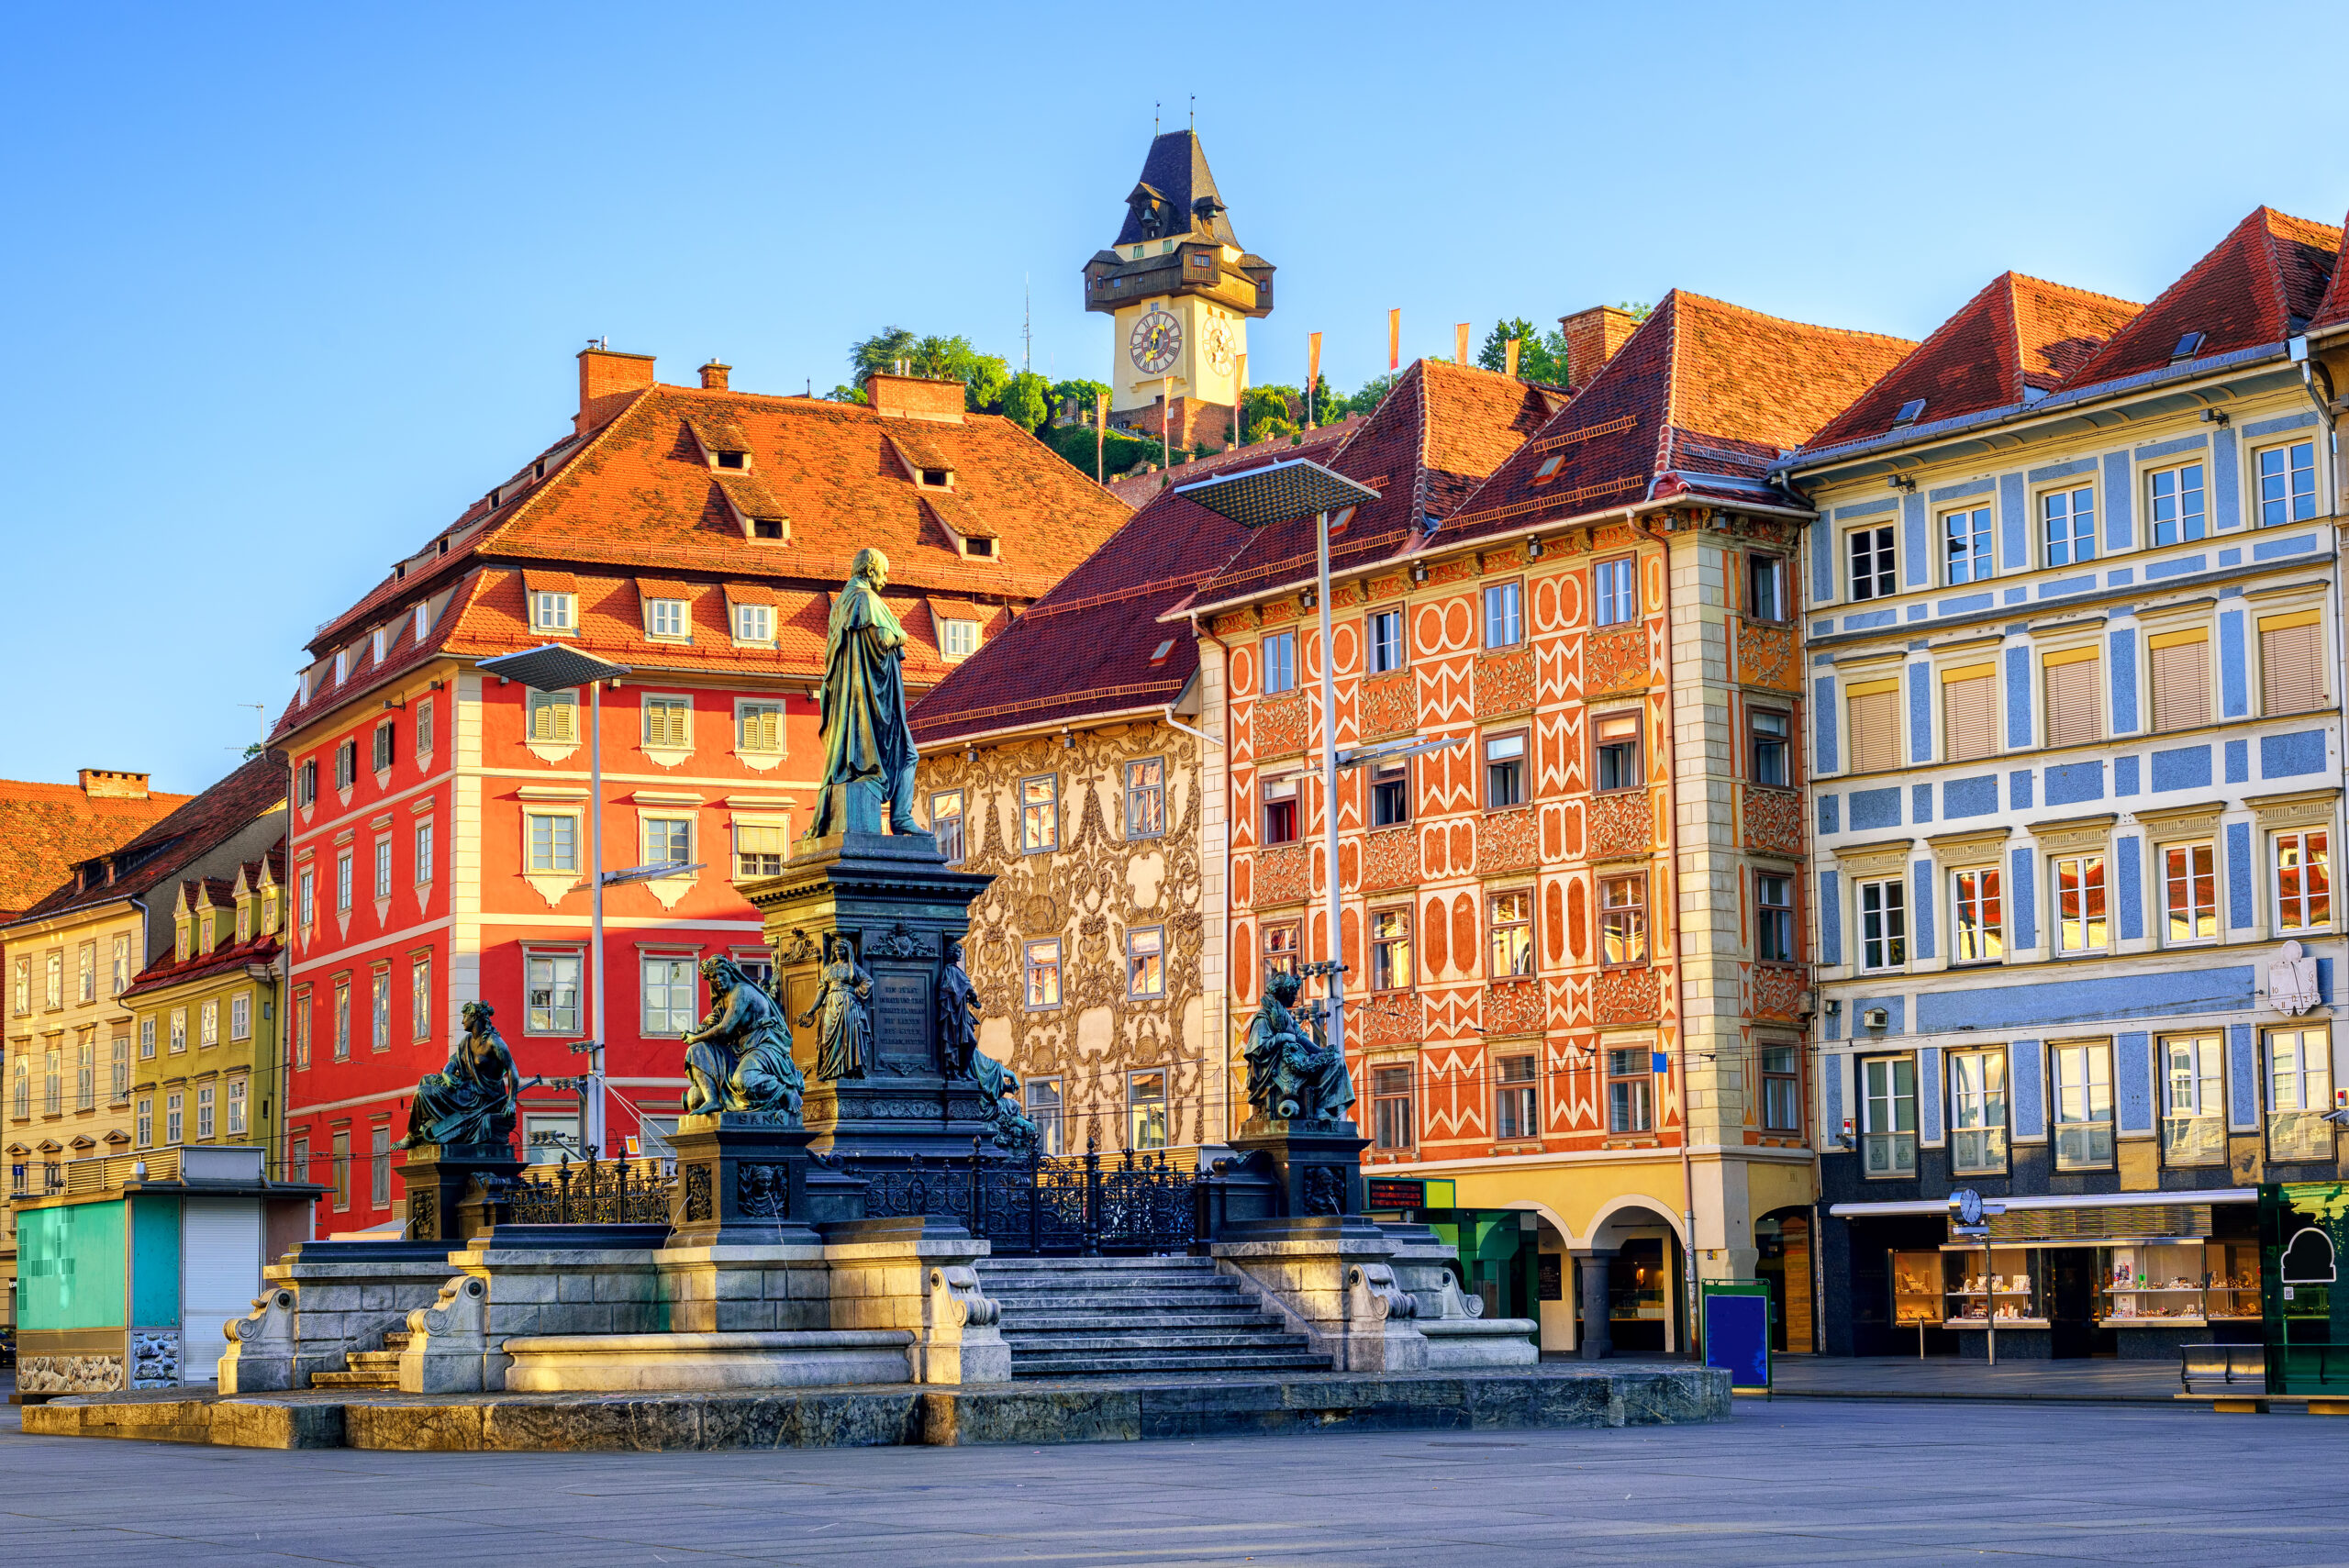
<point x="1737" y="1338"/>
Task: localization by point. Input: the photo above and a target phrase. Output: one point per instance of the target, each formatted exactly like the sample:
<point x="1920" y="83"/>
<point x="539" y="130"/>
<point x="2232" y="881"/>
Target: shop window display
<point x="1916" y="1290"/>
<point x="2011" y="1287"/>
<point x="2152" y="1282"/>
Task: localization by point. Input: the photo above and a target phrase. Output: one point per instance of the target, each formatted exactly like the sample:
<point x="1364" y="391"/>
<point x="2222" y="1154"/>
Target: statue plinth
<point x="898" y="904"/>
<point x="438" y="1175"/>
<point x="1316" y="1167"/>
<point x="744" y="1180"/>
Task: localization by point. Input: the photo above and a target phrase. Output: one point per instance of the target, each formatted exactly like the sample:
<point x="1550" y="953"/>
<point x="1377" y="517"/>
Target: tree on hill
<point x="1540" y="357"/>
<point x="1026" y="400"/>
<point x="984" y="377"/>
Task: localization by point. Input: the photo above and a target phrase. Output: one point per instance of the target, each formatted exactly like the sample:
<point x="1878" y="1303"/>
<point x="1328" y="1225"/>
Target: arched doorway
<point x="1784" y="1238"/>
<point x="1644" y="1262"/>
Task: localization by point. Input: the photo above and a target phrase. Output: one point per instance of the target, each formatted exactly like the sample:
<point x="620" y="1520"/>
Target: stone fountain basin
<point x="624" y="1363"/>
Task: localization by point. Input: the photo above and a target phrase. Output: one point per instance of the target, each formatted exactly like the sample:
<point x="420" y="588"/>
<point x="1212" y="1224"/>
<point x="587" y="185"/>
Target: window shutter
<point x="1875" y="725"/>
<point x="1970" y="712"/>
<point x="2074" y="711"/>
<point x="564" y="712"/>
<point x="2291" y="663"/>
<point x="2181" y="679"/>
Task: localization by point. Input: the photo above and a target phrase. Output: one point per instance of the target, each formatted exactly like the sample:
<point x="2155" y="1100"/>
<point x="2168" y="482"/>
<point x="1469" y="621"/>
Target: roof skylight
<point x="1909" y="412"/>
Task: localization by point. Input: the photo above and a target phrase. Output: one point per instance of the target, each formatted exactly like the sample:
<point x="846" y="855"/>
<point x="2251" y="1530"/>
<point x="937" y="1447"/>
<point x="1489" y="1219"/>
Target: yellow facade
<point x="207" y="1068"/>
<point x="68" y="1056"/>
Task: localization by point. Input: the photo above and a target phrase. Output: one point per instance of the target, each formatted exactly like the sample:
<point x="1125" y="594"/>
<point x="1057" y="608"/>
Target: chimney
<point x="1592" y="338"/>
<point x="713" y="376"/>
<point x="106" y="783"/>
<point x="607" y="379"/>
<point x="915" y="397"/>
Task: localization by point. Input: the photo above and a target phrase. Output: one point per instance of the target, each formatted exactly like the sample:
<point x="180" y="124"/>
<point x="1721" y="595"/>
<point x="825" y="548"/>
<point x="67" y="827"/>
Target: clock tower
<point x="1180" y="291"/>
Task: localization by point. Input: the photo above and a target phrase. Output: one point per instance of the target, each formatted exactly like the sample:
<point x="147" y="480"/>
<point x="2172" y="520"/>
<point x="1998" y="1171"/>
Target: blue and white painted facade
<point x="2237" y="782"/>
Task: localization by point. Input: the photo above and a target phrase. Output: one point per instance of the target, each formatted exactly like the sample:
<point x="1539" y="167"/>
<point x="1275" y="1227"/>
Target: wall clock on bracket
<point x="1215" y="343"/>
<point x="1156" y="343"/>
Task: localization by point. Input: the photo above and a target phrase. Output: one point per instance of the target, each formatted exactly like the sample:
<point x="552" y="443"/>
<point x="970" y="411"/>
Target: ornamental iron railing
<point x="1135" y="1203"/>
<point x="593" y="1192"/>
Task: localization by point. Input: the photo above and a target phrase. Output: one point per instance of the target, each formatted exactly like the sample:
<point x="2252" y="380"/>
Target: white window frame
<point x="2079" y="1079"/>
<point x="1385" y="655"/>
<point x="2197" y="913"/>
<point x="554" y="613"/>
<point x="2287" y="917"/>
<point x="1978" y="562"/>
<point x="1888" y="1152"/>
<point x="561" y="709"/>
<point x="2150" y="482"/>
<point x="1884" y="553"/>
<point x="2058" y="922"/>
<point x="668" y="816"/>
<point x="753" y="626"/>
<point x="656" y="611"/>
<point x="1038" y="966"/>
<point x="555" y="960"/>
<point x="1504" y="612"/>
<point x="1885" y="951"/>
<point x="240" y="1016"/>
<point x="960" y="846"/>
<point x="1285" y="664"/>
<point x="530" y="865"/>
<point x="744" y="708"/>
<point x="1049" y="805"/>
<point x="667" y="700"/>
<point x="2254" y="471"/>
<point x="1978" y="1105"/>
<point x="675" y="968"/>
<point x="2308" y="1082"/>
<point x="2074" y="552"/>
<point x="2192" y="1070"/>
<point x="779" y="825"/>
<point x="1615" y="591"/>
<point x="1146" y="964"/>
<point x="958" y="638"/>
<point x="1978" y="915"/>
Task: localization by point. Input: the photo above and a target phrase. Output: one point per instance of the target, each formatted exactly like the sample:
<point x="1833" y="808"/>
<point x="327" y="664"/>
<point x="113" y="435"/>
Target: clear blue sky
<point x="288" y="286"/>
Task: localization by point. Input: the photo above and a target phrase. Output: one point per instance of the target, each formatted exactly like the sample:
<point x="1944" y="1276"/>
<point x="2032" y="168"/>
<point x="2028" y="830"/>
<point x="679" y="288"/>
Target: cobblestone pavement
<point x="1806" y="1480"/>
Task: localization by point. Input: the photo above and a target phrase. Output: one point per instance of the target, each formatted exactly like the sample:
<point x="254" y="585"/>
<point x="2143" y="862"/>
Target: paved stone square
<point x="1803" y="1480"/>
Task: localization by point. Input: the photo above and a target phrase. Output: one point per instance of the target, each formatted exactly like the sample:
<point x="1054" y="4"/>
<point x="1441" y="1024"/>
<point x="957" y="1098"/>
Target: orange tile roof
<point x="2017" y="336"/>
<point x="194" y="824"/>
<point x="1699" y="401"/>
<point x="637" y="497"/>
<point x="2333" y="310"/>
<point x="46" y="830"/>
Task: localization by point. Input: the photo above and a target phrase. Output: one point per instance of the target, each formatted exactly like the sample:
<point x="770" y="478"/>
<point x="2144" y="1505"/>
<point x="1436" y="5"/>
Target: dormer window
<point x="423" y="621"/>
<point x="664" y="618"/>
<point x="958" y="638"/>
<point x="754" y="623"/>
<point x="244" y="922"/>
<point x="208" y="934"/>
<point x="730" y="459"/>
<point x="767" y="527"/>
<point x="982" y="547"/>
<point x="183" y="939"/>
<point x="938" y="478"/>
<point x="341" y="664"/>
<point x="269" y="914"/>
<point x="553" y="612"/>
<point x="375" y="643"/>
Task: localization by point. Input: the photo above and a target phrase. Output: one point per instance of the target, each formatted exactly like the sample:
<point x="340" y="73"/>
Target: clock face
<point x="1157" y="340"/>
<point x="1218" y="345"/>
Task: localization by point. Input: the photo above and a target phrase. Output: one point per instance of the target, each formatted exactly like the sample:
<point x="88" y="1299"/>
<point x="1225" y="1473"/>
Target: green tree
<point x="1373" y="392"/>
<point x="1273" y="410"/>
<point x="1026" y="401"/>
<point x="984" y="377"/>
<point x="1079" y="397"/>
<point x="1540" y="357"/>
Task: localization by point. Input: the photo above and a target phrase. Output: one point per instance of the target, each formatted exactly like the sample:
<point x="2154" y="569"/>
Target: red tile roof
<point x="1699" y="401"/>
<point x="228" y="954"/>
<point x="2259" y="285"/>
<point x="1437" y="435"/>
<point x="637" y="497"/>
<point x="195" y="826"/>
<point x="2018" y="336"/>
<point x="46" y="830"/>
<point x="1134" y="489"/>
<point x="2333" y="310"/>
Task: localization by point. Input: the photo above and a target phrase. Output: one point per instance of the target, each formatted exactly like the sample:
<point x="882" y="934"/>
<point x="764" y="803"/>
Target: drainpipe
<point x="1679" y="968"/>
<point x="1223" y="1029"/>
<point x="2332" y="464"/>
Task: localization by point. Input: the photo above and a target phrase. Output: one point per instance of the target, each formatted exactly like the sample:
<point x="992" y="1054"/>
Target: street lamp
<point x="1280" y="493"/>
<point x="554" y="668"/>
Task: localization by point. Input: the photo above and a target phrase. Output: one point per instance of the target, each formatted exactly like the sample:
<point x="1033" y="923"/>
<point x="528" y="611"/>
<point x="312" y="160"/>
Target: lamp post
<point x="554" y="668"/>
<point x="1280" y="493"/>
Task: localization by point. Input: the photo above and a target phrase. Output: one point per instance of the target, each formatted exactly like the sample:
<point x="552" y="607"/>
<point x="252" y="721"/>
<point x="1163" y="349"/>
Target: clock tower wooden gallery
<point x="1180" y="292"/>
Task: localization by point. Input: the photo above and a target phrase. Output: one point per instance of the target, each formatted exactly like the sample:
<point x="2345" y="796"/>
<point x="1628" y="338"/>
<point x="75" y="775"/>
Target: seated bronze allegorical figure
<point x="472" y="1101"/>
<point x="1293" y="1075"/>
<point x="738" y="1057"/>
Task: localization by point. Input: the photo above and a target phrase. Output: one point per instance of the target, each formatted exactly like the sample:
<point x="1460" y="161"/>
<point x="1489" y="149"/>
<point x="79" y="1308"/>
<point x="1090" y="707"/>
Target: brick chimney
<point x="106" y="783"/>
<point x="915" y="397"/>
<point x="607" y="379"/>
<point x="1592" y="338"/>
<point x="713" y="376"/>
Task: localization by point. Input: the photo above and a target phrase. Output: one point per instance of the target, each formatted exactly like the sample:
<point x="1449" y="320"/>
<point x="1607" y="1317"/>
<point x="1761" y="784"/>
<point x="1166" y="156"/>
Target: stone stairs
<point x="368" y="1369"/>
<point x="1117" y="1316"/>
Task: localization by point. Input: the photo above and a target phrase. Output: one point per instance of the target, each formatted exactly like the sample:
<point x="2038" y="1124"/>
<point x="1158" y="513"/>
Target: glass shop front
<point x="2134" y="1282"/>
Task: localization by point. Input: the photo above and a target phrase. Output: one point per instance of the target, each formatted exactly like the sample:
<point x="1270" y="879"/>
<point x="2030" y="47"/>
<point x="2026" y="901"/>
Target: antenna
<point x="1154" y="107"/>
<point x="1027" y="327"/>
<point x="1195" y="113"/>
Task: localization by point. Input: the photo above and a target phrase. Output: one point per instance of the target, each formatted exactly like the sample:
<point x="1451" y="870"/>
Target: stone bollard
<point x="449" y="1350"/>
<point x="262" y="1353"/>
<point x="1379" y="1334"/>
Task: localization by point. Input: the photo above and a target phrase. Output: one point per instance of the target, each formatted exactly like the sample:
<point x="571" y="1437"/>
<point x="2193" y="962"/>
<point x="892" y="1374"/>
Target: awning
<point x="2080" y="1200"/>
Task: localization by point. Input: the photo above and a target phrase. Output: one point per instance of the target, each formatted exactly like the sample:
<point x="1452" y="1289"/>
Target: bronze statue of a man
<point x="840" y="1013"/>
<point x="738" y="1057"/>
<point x="868" y="746"/>
<point x="473" y="1099"/>
<point x="958" y="1015"/>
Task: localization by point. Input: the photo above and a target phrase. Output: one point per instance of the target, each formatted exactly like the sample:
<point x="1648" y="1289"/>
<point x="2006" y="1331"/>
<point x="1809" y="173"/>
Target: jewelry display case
<point x="2013" y="1289"/>
<point x="1916" y="1289"/>
<point x="2152" y="1283"/>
